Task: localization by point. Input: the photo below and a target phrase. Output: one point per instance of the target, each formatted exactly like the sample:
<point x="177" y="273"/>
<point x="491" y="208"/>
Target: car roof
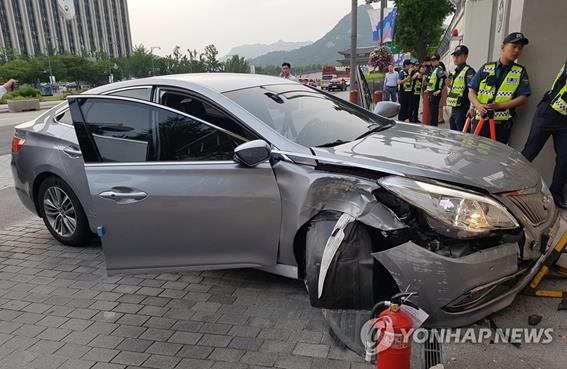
<point x="220" y="82"/>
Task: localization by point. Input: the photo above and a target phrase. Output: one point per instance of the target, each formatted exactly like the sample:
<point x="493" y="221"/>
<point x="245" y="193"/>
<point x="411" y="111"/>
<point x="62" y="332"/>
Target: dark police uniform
<point x="461" y="103"/>
<point x="405" y="94"/>
<point x="458" y="96"/>
<point x="417" y="84"/>
<point x="436" y="83"/>
<point x="550" y="119"/>
<point x="503" y="83"/>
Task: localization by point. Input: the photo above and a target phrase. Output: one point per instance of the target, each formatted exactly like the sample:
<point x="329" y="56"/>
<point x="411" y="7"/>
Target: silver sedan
<point x="214" y="171"/>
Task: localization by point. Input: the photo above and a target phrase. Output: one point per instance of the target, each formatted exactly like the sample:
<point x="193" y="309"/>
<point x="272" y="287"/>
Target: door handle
<point x="123" y="196"/>
<point x="72" y="151"/>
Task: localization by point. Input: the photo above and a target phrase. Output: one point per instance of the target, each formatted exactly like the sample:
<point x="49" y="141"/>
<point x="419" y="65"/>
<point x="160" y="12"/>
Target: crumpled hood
<point x="420" y="151"/>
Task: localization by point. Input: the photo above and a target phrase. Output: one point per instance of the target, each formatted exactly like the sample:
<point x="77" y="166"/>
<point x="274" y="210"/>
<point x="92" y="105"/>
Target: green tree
<point x="210" y="58"/>
<point x="176" y="62"/>
<point x="139" y="63"/>
<point x="236" y="64"/>
<point x="419" y="24"/>
<point x="196" y="62"/>
<point x="272" y="70"/>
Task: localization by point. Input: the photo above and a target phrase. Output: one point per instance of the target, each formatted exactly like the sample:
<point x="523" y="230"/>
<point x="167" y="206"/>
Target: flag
<point x="389" y="24"/>
<point x="66" y="9"/>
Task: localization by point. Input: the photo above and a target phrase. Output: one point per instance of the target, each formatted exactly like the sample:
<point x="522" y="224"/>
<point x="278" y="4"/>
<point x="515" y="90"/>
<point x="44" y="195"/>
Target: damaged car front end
<point x="371" y="231"/>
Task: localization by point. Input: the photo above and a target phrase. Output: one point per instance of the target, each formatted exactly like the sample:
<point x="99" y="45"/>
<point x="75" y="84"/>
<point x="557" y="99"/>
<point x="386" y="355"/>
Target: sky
<point x="194" y="24"/>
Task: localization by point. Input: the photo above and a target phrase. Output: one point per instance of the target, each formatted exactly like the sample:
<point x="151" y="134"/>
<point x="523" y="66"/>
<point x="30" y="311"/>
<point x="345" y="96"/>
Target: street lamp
<point x="152" y="54"/>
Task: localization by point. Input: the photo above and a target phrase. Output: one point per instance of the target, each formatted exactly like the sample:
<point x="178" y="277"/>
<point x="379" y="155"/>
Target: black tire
<point x="57" y="217"/>
<point x="349" y="280"/>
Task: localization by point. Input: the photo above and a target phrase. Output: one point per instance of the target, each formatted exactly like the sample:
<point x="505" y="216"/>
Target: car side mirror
<point x="388" y="109"/>
<point x="252" y="153"/>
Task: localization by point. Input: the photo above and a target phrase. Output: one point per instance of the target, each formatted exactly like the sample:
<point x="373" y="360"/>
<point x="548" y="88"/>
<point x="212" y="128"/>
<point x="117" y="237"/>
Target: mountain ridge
<point x="326" y="49"/>
<point x="254" y="50"/>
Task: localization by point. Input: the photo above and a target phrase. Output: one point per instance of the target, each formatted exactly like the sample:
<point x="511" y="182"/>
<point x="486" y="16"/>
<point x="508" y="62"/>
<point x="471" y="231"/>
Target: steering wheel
<point x="311" y="127"/>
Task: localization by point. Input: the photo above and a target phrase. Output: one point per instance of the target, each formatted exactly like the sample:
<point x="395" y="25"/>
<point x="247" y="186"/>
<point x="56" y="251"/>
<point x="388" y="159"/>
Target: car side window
<point x="184" y="139"/>
<point x="128" y="131"/>
<point x="201" y="109"/>
<point x="142" y="93"/>
<point x="122" y="131"/>
<point x="65" y="117"/>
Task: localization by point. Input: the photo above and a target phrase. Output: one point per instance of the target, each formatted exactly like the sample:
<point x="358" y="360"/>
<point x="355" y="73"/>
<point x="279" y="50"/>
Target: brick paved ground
<point x="58" y="309"/>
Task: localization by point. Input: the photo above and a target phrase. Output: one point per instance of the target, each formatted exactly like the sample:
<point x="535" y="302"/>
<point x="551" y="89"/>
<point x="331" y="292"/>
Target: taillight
<point x="17" y="144"/>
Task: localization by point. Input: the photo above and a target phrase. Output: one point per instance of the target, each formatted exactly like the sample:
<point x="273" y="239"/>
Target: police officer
<point x="405" y="93"/>
<point x="417" y="84"/>
<point x="435" y="87"/>
<point x="550" y="119"/>
<point x="500" y="87"/>
<point x="458" y="97"/>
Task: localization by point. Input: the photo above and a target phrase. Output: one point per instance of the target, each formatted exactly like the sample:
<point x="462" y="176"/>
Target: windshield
<point x="305" y="115"/>
<point x="327" y="77"/>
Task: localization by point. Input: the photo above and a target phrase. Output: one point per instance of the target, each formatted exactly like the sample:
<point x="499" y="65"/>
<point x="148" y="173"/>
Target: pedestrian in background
<point x="417" y="80"/>
<point x="391" y="84"/>
<point x="286" y="72"/>
<point x="458" y="97"/>
<point x="550" y="119"/>
<point x="405" y="83"/>
<point x="8" y="87"/>
<point x="501" y="86"/>
<point x="435" y="86"/>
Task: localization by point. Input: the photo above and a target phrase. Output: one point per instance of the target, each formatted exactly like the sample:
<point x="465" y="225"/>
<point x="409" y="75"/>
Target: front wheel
<point x="349" y="281"/>
<point x="62" y="213"/>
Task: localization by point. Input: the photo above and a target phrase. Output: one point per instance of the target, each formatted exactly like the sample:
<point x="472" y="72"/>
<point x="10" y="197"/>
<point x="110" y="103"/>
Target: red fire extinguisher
<point x="393" y="328"/>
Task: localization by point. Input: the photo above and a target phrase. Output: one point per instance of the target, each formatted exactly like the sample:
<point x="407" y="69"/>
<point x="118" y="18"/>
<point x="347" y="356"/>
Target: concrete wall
<point x="544" y="24"/>
<point x="477" y="32"/>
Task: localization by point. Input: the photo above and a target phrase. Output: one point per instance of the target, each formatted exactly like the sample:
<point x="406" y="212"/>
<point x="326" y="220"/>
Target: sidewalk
<point x="43" y="105"/>
<point x="58" y="309"/>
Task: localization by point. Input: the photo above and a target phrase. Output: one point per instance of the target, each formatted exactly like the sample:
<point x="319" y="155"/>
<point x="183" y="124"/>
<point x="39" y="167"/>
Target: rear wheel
<point x="62" y="213"/>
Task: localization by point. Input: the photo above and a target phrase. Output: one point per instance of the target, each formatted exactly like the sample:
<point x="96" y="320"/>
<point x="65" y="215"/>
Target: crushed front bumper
<point x="493" y="277"/>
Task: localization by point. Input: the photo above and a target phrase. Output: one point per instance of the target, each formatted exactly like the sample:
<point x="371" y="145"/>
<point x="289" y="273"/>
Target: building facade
<point x="482" y="26"/>
<point x="31" y="27"/>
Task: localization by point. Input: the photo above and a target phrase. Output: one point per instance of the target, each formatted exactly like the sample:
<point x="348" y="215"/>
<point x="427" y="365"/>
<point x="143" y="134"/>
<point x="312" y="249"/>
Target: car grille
<point x="535" y="207"/>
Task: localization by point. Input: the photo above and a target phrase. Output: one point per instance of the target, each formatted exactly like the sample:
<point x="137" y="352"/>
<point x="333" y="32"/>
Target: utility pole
<point x="353" y="97"/>
<point x="382" y="6"/>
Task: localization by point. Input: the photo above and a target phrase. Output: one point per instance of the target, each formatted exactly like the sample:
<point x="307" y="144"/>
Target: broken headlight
<point x="463" y="211"/>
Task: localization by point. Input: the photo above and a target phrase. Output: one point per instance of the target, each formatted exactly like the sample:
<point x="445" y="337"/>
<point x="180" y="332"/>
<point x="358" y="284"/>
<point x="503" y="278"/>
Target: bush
<point x="27" y="91"/>
<point x="20" y="94"/>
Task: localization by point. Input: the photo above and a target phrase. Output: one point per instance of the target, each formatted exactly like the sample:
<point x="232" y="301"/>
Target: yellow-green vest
<point x="432" y="84"/>
<point x="505" y="92"/>
<point x="559" y="101"/>
<point x="417" y="84"/>
<point x="454" y="98"/>
<point x="407" y="86"/>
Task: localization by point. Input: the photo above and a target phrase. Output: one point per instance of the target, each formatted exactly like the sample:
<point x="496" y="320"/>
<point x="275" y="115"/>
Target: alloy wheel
<point x="59" y="211"/>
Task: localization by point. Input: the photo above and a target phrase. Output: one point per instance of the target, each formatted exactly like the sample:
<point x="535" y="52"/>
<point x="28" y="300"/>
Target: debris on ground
<point x="534" y="319"/>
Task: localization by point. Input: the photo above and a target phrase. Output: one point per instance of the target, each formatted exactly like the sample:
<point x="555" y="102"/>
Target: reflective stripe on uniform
<point x="558" y="102"/>
<point x="458" y="88"/>
<point x="506" y="90"/>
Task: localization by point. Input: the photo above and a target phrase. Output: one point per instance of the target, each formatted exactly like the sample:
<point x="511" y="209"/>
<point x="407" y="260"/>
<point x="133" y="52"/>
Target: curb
<point x="42" y="106"/>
